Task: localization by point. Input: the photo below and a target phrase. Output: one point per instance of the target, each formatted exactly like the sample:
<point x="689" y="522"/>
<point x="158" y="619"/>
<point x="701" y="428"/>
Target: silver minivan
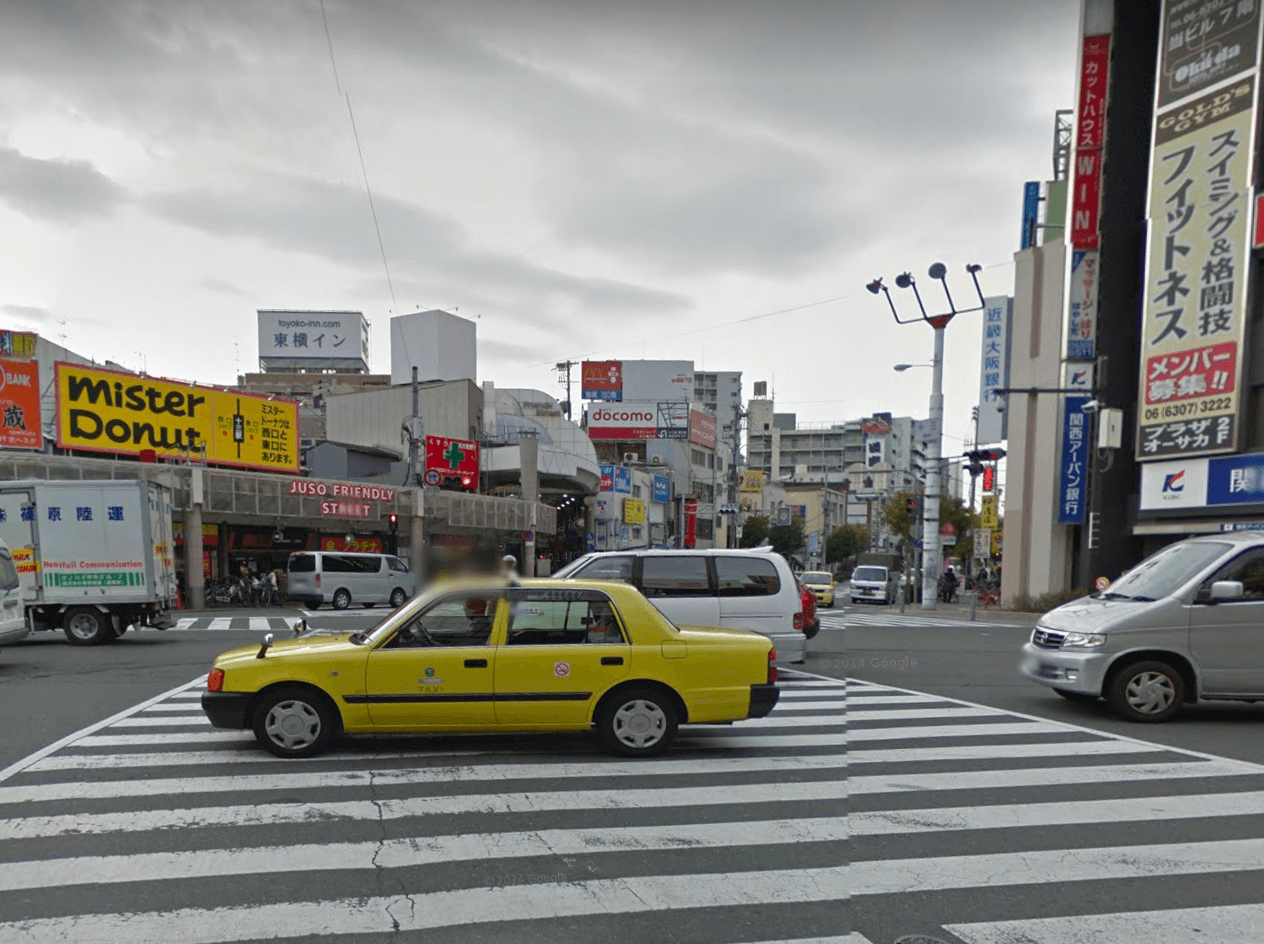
<point x="340" y="579"/>
<point x="13" y="624"/>
<point x="751" y="589"/>
<point x="1183" y="626"/>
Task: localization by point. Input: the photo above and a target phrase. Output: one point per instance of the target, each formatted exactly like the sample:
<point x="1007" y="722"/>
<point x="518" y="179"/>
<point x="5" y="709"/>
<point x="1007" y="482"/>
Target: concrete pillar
<point x="529" y="454"/>
<point x="195" y="578"/>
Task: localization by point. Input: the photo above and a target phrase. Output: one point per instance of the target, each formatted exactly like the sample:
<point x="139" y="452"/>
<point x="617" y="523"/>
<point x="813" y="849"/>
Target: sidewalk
<point x="961" y="611"/>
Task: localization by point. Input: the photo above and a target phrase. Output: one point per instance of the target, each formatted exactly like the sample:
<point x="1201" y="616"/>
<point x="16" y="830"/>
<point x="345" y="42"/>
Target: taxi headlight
<point x="1083" y="640"/>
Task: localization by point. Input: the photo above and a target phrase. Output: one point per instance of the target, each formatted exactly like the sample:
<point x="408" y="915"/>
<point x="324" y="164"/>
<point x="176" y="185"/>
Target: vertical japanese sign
<point x="1086" y="196"/>
<point x="1082" y="323"/>
<point x="1196" y="274"/>
<point x="20" y="405"/>
<point x="994" y="368"/>
<point x="1205" y="42"/>
<point x="691" y="522"/>
<point x="1073" y="468"/>
<point x="1031" y="213"/>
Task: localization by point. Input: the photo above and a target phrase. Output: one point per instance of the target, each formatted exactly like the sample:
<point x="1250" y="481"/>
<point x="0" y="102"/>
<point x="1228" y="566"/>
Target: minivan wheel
<point x="1149" y="692"/>
<point x="341" y="600"/>
<point x="398" y="596"/>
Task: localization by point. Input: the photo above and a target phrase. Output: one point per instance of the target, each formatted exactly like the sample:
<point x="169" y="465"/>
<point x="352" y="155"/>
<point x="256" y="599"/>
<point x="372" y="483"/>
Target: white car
<point x="741" y="589"/>
<point x="13" y="625"/>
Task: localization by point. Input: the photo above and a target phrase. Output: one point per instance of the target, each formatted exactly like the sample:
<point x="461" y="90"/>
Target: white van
<point x="13" y="625"/>
<point x="745" y="589"/>
<point x="340" y="579"/>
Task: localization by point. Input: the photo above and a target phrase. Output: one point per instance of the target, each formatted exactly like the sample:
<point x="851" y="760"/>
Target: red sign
<point x="341" y="490"/>
<point x="1086" y="193"/>
<point x="20" y="404"/>
<point x="1187" y="375"/>
<point x="623" y="424"/>
<point x="948" y="529"/>
<point x="602" y="380"/>
<point x="358" y="546"/>
<point x="691" y="522"/>
<point x="1086" y="200"/>
<point x="342" y="509"/>
<point x="702" y="429"/>
<point x="1258" y="241"/>
<point x="875" y="427"/>
<point x="1094" y="66"/>
<point x="454" y="460"/>
<point x="989" y="479"/>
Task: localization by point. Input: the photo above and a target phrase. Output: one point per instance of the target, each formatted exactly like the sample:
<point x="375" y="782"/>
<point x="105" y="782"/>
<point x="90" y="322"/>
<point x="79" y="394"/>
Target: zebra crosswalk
<point x="257" y="623"/>
<point x="884" y="616"/>
<point x="854" y="813"/>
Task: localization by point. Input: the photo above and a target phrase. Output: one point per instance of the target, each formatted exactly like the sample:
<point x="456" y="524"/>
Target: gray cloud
<point x="59" y="191"/>
<point x="28" y="312"/>
<point x="224" y="287"/>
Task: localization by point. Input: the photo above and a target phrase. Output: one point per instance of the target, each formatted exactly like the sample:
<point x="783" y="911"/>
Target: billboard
<point x="1031" y="213"/>
<point x="633" y="511"/>
<point x="1082" y="325"/>
<point x="601" y="380"/>
<point x="702" y="429"/>
<point x="658" y="381"/>
<point x="1197" y="265"/>
<point x="1076" y="448"/>
<point x="875" y="451"/>
<point x="994" y="368"/>
<point x="662" y="489"/>
<point x="451" y="462"/>
<point x="1202" y="44"/>
<point x="17" y="344"/>
<point x="1086" y="195"/>
<point x="752" y="481"/>
<point x="20" y="405"/>
<point x="306" y="338"/>
<point x="1203" y="483"/>
<point x="629" y="422"/>
<point x="112" y="411"/>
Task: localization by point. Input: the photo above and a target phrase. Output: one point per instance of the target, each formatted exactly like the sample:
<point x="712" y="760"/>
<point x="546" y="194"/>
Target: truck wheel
<point x="342" y="600"/>
<point x="87" y="626"/>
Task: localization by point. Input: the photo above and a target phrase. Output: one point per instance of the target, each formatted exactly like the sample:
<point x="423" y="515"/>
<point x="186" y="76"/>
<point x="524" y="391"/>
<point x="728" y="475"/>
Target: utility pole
<point x="564" y="367"/>
<point x="738" y="416"/>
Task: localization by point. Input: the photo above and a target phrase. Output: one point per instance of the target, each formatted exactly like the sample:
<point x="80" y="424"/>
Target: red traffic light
<point x="394" y="519"/>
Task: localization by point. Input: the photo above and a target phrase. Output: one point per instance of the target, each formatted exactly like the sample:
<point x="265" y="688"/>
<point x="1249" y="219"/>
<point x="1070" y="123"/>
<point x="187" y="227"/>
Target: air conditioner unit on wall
<point x="629" y="457"/>
<point x="657" y="460"/>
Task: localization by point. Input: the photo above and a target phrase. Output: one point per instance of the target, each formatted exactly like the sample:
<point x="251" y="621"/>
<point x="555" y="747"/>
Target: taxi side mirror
<point x="1226" y="590"/>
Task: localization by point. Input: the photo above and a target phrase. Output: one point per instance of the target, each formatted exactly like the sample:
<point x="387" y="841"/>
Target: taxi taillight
<point x="215" y="681"/>
<point x="772" y="668"/>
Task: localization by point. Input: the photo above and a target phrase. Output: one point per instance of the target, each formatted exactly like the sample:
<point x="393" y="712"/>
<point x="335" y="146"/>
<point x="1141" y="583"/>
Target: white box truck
<point x="94" y="558"/>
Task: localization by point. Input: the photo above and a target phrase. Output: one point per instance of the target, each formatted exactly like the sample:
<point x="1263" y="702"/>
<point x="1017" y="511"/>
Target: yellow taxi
<point x="485" y="655"/>
<point x="821" y="585"/>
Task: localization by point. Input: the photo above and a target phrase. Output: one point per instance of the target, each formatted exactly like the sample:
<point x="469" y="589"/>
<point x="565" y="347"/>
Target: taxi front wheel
<point x="293" y="722"/>
<point x="638" y="722"/>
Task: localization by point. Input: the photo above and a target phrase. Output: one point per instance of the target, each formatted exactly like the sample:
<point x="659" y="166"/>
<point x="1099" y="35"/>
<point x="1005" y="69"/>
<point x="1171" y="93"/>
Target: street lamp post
<point x="931" y="550"/>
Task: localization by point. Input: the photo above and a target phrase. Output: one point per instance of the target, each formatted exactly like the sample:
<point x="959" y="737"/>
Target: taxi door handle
<point x="612" y="660"/>
<point x="476" y="663"/>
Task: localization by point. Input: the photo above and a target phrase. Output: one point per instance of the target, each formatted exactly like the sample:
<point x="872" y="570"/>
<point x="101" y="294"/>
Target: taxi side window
<point x="539" y="619"/>
<point x="459" y="620"/>
<point x="1249" y="570"/>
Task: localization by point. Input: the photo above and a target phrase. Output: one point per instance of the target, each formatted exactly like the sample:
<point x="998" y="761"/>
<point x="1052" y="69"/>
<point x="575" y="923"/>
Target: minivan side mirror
<point x="1226" y="590"/>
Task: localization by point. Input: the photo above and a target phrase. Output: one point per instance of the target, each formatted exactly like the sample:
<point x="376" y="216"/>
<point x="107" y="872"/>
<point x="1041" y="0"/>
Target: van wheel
<point x="1149" y="692"/>
<point x="293" y="722"/>
<point x="638" y="722"/>
<point x="342" y="600"/>
<point x="398" y="597"/>
<point x="88" y="626"/>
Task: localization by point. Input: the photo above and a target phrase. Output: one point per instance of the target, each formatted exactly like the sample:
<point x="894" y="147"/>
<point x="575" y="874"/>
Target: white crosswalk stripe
<point x="891" y="616"/>
<point x="263" y="624"/>
<point x="154" y="823"/>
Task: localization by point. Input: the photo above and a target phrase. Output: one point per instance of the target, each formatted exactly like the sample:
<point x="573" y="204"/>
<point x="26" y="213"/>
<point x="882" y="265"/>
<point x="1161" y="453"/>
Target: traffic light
<point x="914" y="505"/>
<point x="394" y="521"/>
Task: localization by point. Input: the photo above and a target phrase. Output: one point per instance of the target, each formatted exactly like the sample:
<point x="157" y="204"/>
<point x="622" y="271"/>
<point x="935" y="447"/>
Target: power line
<point x="329" y="40"/>
<point x="372" y="209"/>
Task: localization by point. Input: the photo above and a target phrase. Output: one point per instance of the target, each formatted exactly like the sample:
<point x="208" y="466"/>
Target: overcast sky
<point x="607" y="179"/>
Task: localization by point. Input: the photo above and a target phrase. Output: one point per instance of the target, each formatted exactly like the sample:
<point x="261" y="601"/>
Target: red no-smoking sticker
<point x="561" y="669"/>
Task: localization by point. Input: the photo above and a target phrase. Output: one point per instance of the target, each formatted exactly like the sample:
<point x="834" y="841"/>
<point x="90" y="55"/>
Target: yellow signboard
<point x="987" y="515"/>
<point x="633" y="511"/>
<point x="752" y="482"/>
<point x="111" y="411"/>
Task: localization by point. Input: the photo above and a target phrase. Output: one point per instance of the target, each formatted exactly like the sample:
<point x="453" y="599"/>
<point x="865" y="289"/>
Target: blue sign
<point x="1031" y="211"/>
<point x="623" y="479"/>
<point x="1235" y="480"/>
<point x="607" y="478"/>
<point x="1073" y="473"/>
<point x="662" y="489"/>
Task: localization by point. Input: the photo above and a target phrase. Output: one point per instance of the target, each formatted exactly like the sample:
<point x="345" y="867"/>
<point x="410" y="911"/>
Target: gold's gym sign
<point x="112" y="411"/>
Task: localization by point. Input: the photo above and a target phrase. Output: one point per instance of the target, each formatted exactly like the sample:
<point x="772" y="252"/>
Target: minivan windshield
<point x="817" y="578"/>
<point x="869" y="573"/>
<point x="1164" y="571"/>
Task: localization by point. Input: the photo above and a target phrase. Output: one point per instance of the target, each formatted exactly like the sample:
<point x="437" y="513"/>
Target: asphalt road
<point x="959" y="819"/>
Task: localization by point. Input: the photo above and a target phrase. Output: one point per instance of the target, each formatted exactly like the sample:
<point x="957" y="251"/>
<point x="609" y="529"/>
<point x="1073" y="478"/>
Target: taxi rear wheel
<point x="638" y="722"/>
<point x="293" y="722"/>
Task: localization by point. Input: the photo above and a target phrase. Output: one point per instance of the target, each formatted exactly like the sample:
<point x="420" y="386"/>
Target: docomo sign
<point x="341" y="490"/>
<point x="622" y="424"/>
